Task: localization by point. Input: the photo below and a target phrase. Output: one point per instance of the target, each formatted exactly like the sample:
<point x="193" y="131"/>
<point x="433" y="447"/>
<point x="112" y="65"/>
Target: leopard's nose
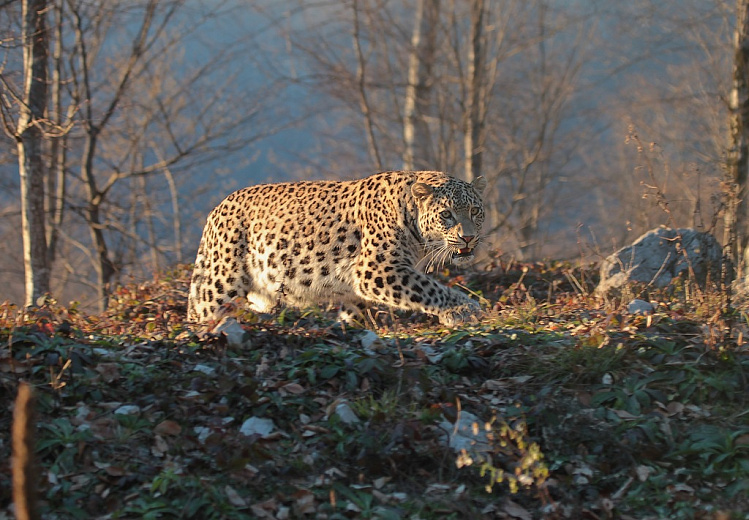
<point x="467" y="238"/>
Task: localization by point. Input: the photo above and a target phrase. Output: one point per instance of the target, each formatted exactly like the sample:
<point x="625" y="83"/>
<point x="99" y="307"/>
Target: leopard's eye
<point x="446" y="214"/>
<point x="475" y="211"/>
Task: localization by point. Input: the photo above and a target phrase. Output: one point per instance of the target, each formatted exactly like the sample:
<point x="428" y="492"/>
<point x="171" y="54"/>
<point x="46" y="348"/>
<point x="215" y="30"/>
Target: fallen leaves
<point x="294" y="418"/>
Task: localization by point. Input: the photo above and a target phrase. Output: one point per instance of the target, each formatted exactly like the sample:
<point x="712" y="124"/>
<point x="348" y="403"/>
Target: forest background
<point x="593" y="120"/>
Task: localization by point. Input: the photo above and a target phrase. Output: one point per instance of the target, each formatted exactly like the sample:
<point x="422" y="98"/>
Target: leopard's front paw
<point x="463" y="313"/>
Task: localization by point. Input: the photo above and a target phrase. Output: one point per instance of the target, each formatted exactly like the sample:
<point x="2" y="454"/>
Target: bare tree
<point x="475" y="98"/>
<point x="131" y="117"/>
<point x="361" y="72"/>
<point x="29" y="136"/>
<point x="40" y="133"/>
<point x="538" y="152"/>
<point x="56" y="182"/>
<point x="416" y="109"/>
<point x="93" y="125"/>
<point x="455" y="86"/>
<point x="666" y="163"/>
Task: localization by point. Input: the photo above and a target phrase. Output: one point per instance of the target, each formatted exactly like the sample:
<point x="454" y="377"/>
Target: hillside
<point x="582" y="410"/>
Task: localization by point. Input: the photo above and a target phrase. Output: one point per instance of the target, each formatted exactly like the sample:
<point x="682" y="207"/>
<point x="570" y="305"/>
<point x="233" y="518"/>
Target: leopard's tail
<point x="23" y="462"/>
<point x="197" y="283"/>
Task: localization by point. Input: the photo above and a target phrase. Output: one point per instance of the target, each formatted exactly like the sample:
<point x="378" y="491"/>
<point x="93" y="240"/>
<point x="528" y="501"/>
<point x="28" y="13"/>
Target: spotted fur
<point x="357" y="243"/>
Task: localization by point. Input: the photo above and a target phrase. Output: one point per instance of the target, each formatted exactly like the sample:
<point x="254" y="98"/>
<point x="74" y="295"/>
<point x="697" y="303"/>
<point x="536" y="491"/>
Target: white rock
<point x="257" y="426"/>
<point x="203" y="433"/>
<point x="127" y="409"/>
<point x="369" y="338"/>
<point x="233" y="331"/>
<point x="432" y="355"/>
<point x="345" y="413"/>
<point x="204" y="369"/>
<point x="640" y="307"/>
<point x="466" y="436"/>
<point x="659" y="256"/>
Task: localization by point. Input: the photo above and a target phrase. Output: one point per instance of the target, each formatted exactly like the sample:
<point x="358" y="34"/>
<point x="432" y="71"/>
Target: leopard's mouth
<point x="465" y="252"/>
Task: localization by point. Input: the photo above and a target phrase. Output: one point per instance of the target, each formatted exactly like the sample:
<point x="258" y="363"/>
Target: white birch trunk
<point x="474" y="117"/>
<point x="416" y="137"/>
<point x="30" y="144"/>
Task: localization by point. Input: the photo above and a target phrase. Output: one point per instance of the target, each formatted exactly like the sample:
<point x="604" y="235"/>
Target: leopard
<point x="355" y="244"/>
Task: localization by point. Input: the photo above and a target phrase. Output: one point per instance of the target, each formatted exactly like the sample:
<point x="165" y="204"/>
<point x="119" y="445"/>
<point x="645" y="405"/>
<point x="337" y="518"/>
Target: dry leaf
<point x="437" y="489"/>
<point x="168" y="427"/>
<point x="115" y="471"/>
<point x="624" y="414"/>
<point x="643" y="472"/>
<point x="495" y="384"/>
<point x="293" y="388"/>
<point x="304" y="502"/>
<point x="585" y="398"/>
<point x="515" y="510"/>
<point x="681" y="487"/>
<point x="265" y="509"/>
<point x="160" y="446"/>
<point x="104" y="428"/>
<point x="128" y="409"/>
<point x="334" y="473"/>
<point x="109" y="371"/>
<point x="234" y="498"/>
<point x="674" y="408"/>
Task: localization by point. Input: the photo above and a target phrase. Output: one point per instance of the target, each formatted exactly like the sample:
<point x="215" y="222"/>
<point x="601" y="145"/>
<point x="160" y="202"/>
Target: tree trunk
<point x="176" y="221"/>
<point x="736" y="229"/>
<point x="148" y="218"/>
<point x="103" y="265"/>
<point x="30" y="143"/>
<point x="56" y="183"/>
<point x="364" y="105"/>
<point x="474" y="114"/>
<point x="423" y="43"/>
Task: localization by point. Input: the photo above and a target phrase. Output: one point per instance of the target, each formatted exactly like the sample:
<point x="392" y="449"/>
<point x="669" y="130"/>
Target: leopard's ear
<point x="479" y="184"/>
<point x="421" y="190"/>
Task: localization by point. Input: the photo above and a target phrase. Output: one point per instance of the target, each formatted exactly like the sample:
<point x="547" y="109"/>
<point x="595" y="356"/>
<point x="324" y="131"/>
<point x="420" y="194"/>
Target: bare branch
<point x="360" y="81"/>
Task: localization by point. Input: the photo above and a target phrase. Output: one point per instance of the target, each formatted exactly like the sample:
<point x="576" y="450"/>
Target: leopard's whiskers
<point x="437" y="255"/>
<point x="432" y="249"/>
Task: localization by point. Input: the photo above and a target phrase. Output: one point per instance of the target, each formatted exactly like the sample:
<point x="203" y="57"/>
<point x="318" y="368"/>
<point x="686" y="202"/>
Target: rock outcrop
<point x="660" y="256"/>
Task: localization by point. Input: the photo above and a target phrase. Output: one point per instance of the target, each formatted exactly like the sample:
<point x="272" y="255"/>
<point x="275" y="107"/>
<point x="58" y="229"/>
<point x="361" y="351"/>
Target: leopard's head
<point x="451" y="214"/>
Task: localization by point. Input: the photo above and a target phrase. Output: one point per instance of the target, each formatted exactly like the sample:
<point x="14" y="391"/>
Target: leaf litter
<point x="578" y="409"/>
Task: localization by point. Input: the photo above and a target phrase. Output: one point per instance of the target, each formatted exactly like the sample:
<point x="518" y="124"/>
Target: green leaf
<point x="329" y="371"/>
